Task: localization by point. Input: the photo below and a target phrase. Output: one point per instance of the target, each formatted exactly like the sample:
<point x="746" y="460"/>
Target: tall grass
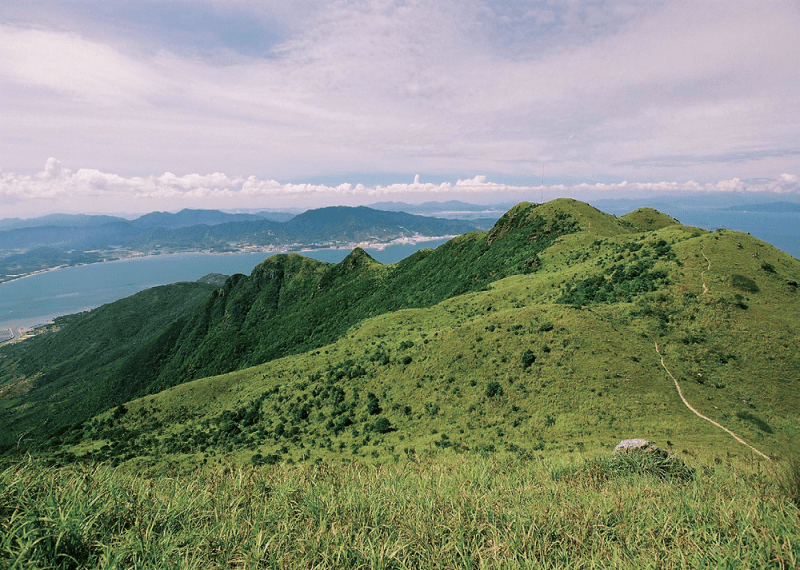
<point x="460" y="512"/>
<point x="789" y="478"/>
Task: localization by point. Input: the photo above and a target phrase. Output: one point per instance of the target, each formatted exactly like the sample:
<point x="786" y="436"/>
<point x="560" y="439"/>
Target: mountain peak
<point x="357" y="258"/>
<point x="648" y="219"/>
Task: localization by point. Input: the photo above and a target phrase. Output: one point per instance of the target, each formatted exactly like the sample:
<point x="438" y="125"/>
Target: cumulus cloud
<point x="59" y="189"/>
<point x="52" y="168"/>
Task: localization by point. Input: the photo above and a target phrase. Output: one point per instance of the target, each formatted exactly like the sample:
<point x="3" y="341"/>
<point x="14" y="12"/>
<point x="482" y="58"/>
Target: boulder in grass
<point x="640" y="446"/>
<point x="642" y="456"/>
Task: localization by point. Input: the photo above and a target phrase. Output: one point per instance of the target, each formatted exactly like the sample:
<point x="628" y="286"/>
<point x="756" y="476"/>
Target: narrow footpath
<point x="703" y="273"/>
<point x="699" y="415"/>
<point x="678" y="386"/>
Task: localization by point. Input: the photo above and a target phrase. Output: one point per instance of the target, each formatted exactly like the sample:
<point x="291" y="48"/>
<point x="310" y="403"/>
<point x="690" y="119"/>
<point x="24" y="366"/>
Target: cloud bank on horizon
<point x="343" y="101"/>
<point x="98" y="191"/>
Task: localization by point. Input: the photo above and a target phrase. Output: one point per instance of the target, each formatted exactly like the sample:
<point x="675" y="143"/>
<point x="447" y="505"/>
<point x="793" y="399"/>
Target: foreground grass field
<point x="441" y="512"/>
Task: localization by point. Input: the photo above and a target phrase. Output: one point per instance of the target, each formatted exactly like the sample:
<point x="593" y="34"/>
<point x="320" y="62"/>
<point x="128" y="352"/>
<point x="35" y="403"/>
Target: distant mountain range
<point x="184" y="218"/>
<point x="561" y="329"/>
<point x="63" y="240"/>
<point x="449" y="209"/>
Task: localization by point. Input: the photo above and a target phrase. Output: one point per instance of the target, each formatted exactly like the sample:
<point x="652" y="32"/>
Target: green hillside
<point x="560" y="355"/>
<point x="288" y="305"/>
<point x="457" y="409"/>
<point x="49" y="380"/>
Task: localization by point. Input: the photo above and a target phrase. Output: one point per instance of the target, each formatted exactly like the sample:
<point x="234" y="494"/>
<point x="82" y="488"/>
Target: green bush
<point x="373" y="406"/>
<point x="744" y="283"/>
<point x="494" y="389"/>
<point x="382" y="425"/>
<point x="528" y="358"/>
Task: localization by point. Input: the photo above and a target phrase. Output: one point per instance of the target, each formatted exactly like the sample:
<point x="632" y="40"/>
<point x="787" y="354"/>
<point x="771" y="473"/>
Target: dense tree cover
<point x="67" y="372"/>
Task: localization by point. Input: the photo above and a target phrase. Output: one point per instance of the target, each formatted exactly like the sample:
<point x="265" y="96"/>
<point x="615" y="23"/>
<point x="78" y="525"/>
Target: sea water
<point x="40" y="298"/>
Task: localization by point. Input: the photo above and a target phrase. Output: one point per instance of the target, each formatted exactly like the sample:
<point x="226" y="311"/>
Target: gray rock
<point x="642" y="446"/>
<point x="642" y="456"/>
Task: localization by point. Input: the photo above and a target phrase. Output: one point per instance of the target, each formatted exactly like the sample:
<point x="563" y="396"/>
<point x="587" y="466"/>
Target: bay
<point x="40" y="298"/>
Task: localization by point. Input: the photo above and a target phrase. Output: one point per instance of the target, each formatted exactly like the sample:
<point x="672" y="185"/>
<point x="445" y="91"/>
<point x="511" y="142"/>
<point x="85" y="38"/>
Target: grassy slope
<point x="289" y="304"/>
<point x="596" y="377"/>
<point x="459" y="512"/>
<point x="59" y="375"/>
<point x="462" y="477"/>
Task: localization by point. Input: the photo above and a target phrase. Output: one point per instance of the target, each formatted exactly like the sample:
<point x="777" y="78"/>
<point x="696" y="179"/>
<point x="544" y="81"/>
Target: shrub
<point x="382" y="425"/>
<point x="528" y="358"/>
<point x="494" y="389"/>
<point x="373" y="406"/>
<point x="744" y="283"/>
<point x="662" y="466"/>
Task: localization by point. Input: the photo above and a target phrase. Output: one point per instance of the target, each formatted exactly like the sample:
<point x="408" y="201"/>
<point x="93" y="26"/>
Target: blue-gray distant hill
<point x="186" y="218"/>
<point x="29" y="249"/>
<point x="59" y="220"/>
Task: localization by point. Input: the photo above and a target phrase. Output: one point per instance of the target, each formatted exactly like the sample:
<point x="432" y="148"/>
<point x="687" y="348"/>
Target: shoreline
<point x="294" y="248"/>
<point x="21" y="324"/>
<point x="25" y="331"/>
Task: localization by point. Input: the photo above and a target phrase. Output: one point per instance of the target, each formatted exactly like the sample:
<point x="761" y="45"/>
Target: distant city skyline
<point x="110" y="106"/>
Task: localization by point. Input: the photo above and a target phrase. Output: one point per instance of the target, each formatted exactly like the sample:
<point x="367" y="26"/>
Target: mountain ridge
<point x="533" y="329"/>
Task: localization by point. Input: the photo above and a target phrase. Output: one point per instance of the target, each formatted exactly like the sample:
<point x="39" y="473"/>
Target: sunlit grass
<point x="459" y="512"/>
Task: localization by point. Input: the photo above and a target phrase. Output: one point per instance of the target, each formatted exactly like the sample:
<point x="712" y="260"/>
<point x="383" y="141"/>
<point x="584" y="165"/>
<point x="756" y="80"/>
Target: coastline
<point x="23" y="330"/>
<point x="298" y="248"/>
<point x="26" y="306"/>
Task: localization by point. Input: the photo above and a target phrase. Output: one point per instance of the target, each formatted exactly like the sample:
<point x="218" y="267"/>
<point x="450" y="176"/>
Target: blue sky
<point x="163" y="104"/>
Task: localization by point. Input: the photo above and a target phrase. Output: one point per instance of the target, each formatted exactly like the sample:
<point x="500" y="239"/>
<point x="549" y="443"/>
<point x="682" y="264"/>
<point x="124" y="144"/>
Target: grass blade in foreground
<point x="466" y="512"/>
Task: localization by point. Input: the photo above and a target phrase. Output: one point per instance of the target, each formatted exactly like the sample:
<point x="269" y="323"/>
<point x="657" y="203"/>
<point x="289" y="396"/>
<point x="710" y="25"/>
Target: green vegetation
<point x="60" y="377"/>
<point x="456" y="409"/>
<point x="288" y="305"/>
<point x="418" y="513"/>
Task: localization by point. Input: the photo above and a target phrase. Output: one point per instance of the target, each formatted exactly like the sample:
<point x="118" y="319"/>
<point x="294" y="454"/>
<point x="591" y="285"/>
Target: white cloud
<point x="701" y="91"/>
<point x="59" y="189"/>
<point x="52" y="168"/>
<point x="71" y="65"/>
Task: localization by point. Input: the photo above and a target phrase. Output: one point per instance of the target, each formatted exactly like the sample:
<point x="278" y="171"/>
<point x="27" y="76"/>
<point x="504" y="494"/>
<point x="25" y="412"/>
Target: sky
<point x="134" y="106"/>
